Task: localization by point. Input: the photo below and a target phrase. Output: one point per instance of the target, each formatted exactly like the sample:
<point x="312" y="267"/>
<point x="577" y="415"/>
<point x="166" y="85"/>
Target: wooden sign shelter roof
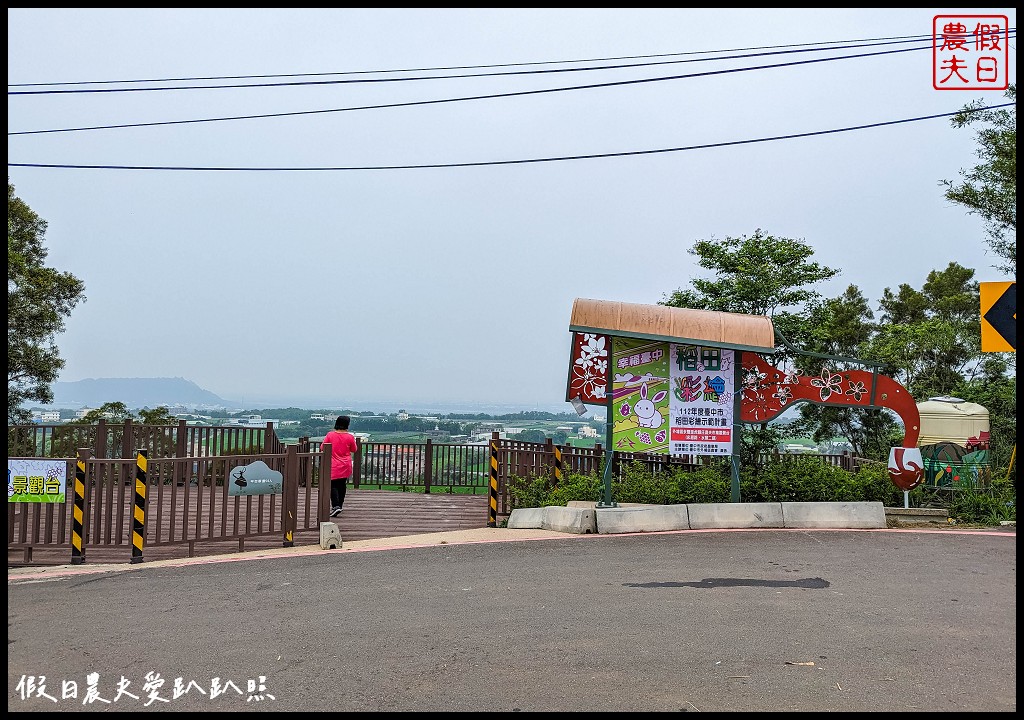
<point x="657" y="322"/>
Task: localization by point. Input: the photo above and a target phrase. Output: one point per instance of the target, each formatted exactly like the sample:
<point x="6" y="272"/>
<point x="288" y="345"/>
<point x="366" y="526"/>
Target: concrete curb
<point x="833" y="515"/>
<point x="938" y="516"/>
<point x="579" y="520"/>
<point x="652" y="518"/>
<point x="586" y="517"/>
<point x="717" y="516"/>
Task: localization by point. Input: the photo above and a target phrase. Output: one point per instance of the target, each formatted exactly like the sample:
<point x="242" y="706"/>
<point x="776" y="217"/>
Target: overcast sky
<point x="436" y="286"/>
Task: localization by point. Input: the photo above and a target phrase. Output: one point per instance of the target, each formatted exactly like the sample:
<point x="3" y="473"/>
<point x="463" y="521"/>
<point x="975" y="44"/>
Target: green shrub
<point x="872" y="484"/>
<point x="528" y="492"/>
<point x="986" y="507"/>
<point x="804" y="479"/>
<point x="576" y="486"/>
<point x="639" y="484"/>
<point x="706" y="484"/>
<point x="540" y="491"/>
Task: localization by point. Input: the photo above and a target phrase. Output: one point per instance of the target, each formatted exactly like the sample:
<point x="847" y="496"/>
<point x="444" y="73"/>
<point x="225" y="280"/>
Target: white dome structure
<point x="950" y="419"/>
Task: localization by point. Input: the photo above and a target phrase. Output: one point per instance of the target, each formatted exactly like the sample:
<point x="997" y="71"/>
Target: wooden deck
<point x="368" y="514"/>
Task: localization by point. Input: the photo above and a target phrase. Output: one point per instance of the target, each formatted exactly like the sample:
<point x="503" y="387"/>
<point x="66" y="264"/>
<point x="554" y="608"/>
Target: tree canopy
<point x="927" y="338"/>
<point x="989" y="189"/>
<point x="117" y="412"/>
<point x="39" y="299"/>
<point x="759" y="274"/>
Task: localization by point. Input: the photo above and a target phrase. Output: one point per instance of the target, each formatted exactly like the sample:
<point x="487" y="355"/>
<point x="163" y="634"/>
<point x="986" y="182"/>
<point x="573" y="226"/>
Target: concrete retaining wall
<point x="735" y="515"/>
<point x="584" y="517"/>
<point x="939" y="516"/>
<point x="833" y="515"/>
<point x="560" y="519"/>
<point x="644" y="518"/>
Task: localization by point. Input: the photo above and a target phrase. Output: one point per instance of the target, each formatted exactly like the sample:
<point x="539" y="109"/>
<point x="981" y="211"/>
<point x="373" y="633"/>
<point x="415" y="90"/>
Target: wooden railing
<point x="188" y="499"/>
<point x="123" y="440"/>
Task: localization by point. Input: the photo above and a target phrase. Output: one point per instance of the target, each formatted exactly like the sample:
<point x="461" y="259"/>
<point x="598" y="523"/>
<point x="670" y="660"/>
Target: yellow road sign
<point x="998" y="317"/>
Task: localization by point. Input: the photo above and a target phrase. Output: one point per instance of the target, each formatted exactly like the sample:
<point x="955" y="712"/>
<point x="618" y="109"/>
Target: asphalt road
<point x="693" y="621"/>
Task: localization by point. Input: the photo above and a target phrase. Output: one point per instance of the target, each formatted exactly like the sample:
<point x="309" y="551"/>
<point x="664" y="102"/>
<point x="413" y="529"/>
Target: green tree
<point x="928" y="340"/>
<point x="559" y="437"/>
<point x="534" y="436"/>
<point x="995" y="389"/>
<point x="112" y="412"/>
<point x="756" y="275"/>
<point x="844" y="326"/>
<point x="931" y="338"/>
<point x="989" y="189"/>
<point x="760" y="274"/>
<point x="159" y="442"/>
<point x="38" y="300"/>
<point x="157" y="416"/>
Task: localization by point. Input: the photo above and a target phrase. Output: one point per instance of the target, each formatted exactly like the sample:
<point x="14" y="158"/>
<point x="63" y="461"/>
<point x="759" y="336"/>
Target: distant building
<point x="489" y="427"/>
<point x="361" y="437"/>
<point x="319" y="416"/>
<point x="797" y="448"/>
<point x="253" y="421"/>
<point x="587" y="432"/>
<point x="580" y="442"/>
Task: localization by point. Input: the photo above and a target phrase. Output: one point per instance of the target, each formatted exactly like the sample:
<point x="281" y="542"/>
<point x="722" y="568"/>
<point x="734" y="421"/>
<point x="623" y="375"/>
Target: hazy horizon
<point x="362" y="404"/>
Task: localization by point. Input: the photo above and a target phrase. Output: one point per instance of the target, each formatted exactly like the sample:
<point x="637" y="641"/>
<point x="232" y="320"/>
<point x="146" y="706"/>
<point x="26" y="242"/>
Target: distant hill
<point x="134" y="392"/>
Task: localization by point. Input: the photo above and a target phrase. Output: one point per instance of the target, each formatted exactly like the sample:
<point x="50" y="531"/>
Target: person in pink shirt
<point x="343" y="444"/>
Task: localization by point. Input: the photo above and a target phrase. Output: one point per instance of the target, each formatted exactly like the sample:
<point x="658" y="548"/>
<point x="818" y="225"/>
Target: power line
<point x="908" y="38"/>
<point x="490" y="96"/>
<point x="446" y="77"/>
<point x="505" y="162"/>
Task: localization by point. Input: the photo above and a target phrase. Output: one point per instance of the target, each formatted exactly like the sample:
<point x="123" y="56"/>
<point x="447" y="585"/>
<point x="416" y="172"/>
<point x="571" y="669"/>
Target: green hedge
<point x="802" y="480"/>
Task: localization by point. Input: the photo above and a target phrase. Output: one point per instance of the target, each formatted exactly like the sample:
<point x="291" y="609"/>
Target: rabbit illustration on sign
<point x="647" y="415"/>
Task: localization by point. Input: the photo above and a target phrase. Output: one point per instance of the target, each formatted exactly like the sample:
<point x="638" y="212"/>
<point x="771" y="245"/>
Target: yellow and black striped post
<point x="290" y="493"/>
<point x="78" y="511"/>
<point x="492" y="511"/>
<point x="558" y="465"/>
<point x="139" y="519"/>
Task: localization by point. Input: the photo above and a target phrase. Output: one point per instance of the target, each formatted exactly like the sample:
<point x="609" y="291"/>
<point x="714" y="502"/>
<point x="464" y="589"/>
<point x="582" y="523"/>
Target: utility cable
<point x="792" y="136"/>
<point x="445" y="77"/>
<point x="906" y="38"/>
<point x="491" y="96"/>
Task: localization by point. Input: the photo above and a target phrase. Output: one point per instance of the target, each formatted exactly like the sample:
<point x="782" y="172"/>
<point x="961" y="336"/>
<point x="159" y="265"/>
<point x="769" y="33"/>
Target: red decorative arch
<point x="768" y="391"/>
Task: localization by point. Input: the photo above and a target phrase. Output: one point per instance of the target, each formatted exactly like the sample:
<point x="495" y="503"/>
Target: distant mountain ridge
<point x="171" y="392"/>
<point x="134" y="392"/>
